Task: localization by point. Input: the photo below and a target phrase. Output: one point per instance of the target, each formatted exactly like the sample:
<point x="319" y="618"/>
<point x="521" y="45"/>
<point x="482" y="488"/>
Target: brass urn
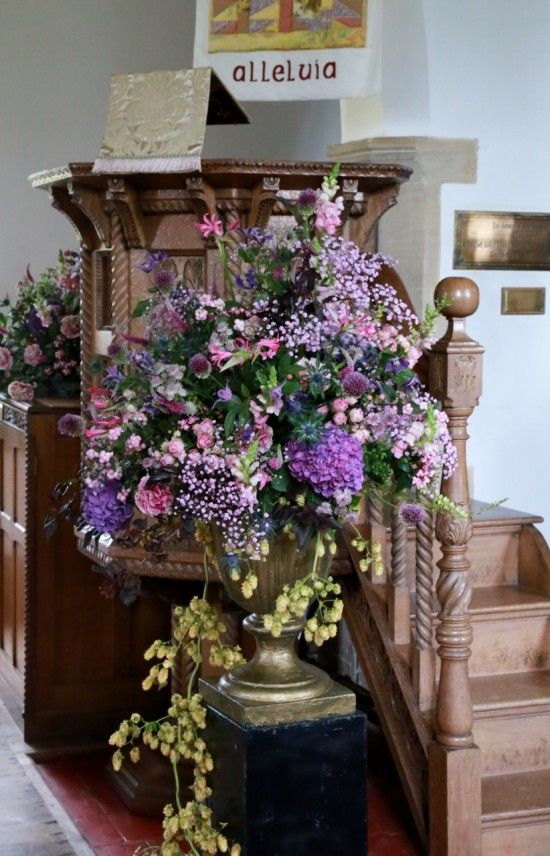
<point x="275" y="686"/>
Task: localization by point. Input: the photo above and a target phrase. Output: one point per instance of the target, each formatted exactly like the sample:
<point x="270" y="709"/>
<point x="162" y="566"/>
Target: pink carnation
<point x="155" y="500"/>
<point x="20" y="391"/>
<point x="33" y="355"/>
<point x="6" y="360"/>
<point x="70" y="326"/>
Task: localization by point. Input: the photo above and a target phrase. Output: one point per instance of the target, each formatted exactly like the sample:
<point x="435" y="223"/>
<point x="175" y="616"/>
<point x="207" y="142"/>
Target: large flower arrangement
<point x="278" y="405"/>
<point x="40" y="334"/>
<point x="273" y="408"/>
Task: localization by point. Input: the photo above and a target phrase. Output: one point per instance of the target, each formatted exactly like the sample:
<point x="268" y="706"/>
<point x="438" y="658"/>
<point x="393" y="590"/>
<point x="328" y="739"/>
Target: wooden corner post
<point x="454" y="760"/>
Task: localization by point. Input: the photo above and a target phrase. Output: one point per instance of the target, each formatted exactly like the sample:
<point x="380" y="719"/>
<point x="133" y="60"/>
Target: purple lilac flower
<point x="334" y="463"/>
<point x="412" y="514"/>
<point x="200" y="366"/>
<point x="307" y="198"/>
<point x="103" y="510"/>
<point x="70" y="425"/>
<point x="354" y="383"/>
<point x="151" y="260"/>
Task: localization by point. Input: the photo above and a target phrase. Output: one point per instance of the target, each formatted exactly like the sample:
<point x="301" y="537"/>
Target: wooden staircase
<point x="454" y="643"/>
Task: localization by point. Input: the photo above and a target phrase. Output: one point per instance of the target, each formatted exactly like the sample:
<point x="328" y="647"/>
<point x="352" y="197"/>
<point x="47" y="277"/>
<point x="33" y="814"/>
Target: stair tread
<point x="493" y="599"/>
<point x="506" y="598"/>
<point x="516" y="690"/>
<point x="501" y="513"/>
<point x="516" y="794"/>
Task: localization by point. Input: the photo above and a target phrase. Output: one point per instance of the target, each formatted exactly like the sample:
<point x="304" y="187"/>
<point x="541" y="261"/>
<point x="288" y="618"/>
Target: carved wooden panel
<point x="71" y="657"/>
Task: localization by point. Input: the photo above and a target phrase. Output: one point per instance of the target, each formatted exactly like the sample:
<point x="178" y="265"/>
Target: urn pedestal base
<point x="294" y="789"/>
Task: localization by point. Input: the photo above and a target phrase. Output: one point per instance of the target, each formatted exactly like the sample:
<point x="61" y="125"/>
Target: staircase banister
<point x="455" y="378"/>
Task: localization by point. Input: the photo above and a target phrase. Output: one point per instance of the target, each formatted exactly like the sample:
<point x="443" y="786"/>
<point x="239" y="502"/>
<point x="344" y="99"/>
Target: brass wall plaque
<point x="501" y="240"/>
<point x="523" y="301"/>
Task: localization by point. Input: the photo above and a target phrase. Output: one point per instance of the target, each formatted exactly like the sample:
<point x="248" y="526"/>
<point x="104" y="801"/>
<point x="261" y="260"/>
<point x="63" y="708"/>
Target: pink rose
<point x="70" y="326"/>
<point x="339" y="405"/>
<point x="205" y="440"/>
<point x="33" y="355"/>
<point x="153" y="500"/>
<point x="6" y="360"/>
<point x="339" y="418"/>
<point x="20" y="391"/>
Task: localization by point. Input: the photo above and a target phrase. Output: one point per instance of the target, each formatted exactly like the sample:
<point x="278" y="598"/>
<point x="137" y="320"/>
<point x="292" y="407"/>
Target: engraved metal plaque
<point x="501" y="240"/>
<point x="523" y="301"/>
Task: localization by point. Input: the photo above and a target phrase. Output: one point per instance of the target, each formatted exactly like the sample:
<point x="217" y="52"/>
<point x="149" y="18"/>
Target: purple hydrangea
<point x="200" y="366"/>
<point x="334" y="463"/>
<point x="103" y="510"/>
<point x="70" y="425"/>
<point x="412" y="514"/>
<point x="354" y="383"/>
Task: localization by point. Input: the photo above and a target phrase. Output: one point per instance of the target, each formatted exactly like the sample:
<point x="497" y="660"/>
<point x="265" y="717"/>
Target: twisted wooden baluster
<point x="424" y="654"/>
<point x="399" y="598"/>
<point x="455" y="378"/>
<point x="119" y="276"/>
<point x="87" y="320"/>
<point x="377" y="533"/>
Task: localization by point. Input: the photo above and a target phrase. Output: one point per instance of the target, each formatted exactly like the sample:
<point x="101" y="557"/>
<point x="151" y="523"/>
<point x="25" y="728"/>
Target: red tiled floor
<point x="80" y="784"/>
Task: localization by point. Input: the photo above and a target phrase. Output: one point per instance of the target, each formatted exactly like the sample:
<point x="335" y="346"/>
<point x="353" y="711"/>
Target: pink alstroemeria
<point x="108" y="423"/>
<point x="99" y="397"/>
<point x="267" y="348"/>
<point x="217" y="354"/>
<point x="233" y="224"/>
<point x="210" y="225"/>
<point x="90" y="433"/>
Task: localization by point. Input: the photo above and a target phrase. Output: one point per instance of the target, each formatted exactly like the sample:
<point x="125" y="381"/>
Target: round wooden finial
<point x="462" y="295"/>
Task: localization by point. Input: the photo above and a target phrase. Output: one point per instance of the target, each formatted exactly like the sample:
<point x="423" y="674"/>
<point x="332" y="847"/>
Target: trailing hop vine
<point x="178" y="735"/>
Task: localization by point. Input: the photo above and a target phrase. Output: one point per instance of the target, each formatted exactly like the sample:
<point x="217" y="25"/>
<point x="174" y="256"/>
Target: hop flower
<point x="103" y="510"/>
<point x="334" y="463"/>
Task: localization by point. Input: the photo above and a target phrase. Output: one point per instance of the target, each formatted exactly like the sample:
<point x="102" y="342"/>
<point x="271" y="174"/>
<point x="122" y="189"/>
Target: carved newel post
<point x="455" y="784"/>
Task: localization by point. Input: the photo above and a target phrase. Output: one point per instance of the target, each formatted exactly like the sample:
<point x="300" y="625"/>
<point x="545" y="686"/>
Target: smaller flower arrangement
<point x="40" y="334"/>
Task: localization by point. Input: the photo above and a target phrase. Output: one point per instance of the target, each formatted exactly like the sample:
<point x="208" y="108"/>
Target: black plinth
<point x="297" y="789"/>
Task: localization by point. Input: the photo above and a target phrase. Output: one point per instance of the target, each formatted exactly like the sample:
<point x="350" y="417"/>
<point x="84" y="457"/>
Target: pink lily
<point x="210" y="225"/>
<point x="267" y="348"/>
<point x="217" y="354"/>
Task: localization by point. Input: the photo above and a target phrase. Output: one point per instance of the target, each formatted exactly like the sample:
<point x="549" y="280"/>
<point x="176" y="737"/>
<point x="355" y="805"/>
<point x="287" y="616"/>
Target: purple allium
<point x="412" y="514"/>
<point x="200" y="365"/>
<point x="70" y="425"/>
<point x="307" y="198"/>
<point x="103" y="510"/>
<point x="355" y="383"/>
<point x="164" y="277"/>
<point x="334" y="463"/>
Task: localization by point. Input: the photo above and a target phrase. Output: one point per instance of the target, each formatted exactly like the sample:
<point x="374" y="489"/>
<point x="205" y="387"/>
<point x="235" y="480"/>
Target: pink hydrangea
<point x="33" y="355"/>
<point x="20" y="391"/>
<point x="6" y="360"/>
<point x="154" y="500"/>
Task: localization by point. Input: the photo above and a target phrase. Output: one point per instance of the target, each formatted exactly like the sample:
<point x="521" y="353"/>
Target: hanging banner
<point x="285" y="50"/>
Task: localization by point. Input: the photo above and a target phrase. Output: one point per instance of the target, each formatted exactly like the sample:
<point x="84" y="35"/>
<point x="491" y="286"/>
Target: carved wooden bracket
<point x="83" y="226"/>
<point x="90" y="202"/>
<point x="121" y="198"/>
<point x="263" y="199"/>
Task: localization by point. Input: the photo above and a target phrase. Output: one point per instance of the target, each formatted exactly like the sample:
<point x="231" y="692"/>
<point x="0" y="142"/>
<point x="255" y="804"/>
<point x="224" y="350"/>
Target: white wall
<point x="485" y="68"/>
<point x="55" y="60"/>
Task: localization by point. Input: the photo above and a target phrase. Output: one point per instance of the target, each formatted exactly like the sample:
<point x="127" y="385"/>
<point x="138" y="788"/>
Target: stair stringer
<point x="389" y="683"/>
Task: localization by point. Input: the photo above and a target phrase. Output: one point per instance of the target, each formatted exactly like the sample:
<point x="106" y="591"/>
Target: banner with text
<point x="285" y="50"/>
